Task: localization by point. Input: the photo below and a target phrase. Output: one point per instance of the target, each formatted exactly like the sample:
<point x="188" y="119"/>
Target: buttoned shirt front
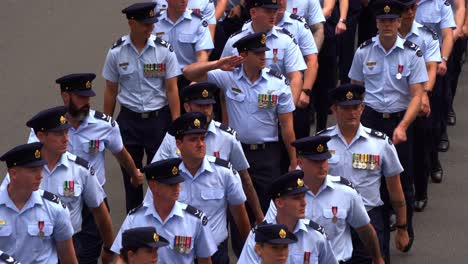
<point x="91" y="138"/>
<point x="253" y="108"/>
<point x="212" y="189"/>
<point x="141" y="75"/>
<point x="336" y="207"/>
<point x="372" y="148"/>
<point x="178" y="224"/>
<point x="188" y="35"/>
<point x="388" y="75"/>
<point x="309" y="242"/>
<point x="30" y="234"/>
<point x="284" y="55"/>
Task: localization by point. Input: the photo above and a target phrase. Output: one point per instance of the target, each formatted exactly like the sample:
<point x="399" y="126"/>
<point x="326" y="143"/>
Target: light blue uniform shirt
<point x="350" y="212"/>
<point x="436" y="14"/>
<point x="366" y="142"/>
<point x="19" y="229"/>
<point x="213" y="189"/>
<point x="205" y="8"/>
<point x="188" y="35"/>
<point x="86" y="188"/>
<point x="89" y="141"/>
<point x="301" y="31"/>
<point x="219" y="142"/>
<point x="178" y="223"/>
<point x="284" y="55"/>
<point x="141" y="89"/>
<point x="427" y="40"/>
<point x="309" y="9"/>
<point x="255" y="122"/>
<point x="309" y="240"/>
<point x="378" y="69"/>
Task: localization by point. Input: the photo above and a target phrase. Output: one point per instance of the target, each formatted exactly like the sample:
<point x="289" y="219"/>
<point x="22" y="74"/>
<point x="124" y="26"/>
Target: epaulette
<point x="197" y="15"/>
<point x="225" y="128"/>
<point x="376" y="133"/>
<point x="324" y="130"/>
<point x="197" y="213"/>
<point x="285" y="31"/>
<point x="296" y="17"/>
<point x="119" y="42"/>
<point x="344" y="181"/>
<point x="413" y="46"/>
<point x="237" y="33"/>
<point x="366" y="43"/>
<point x="432" y="31"/>
<point x="317" y="227"/>
<point x="86" y="164"/>
<point x="275" y="73"/>
<point x="53" y="198"/>
<point x="163" y="43"/>
<point x="7" y="258"/>
<point x="134" y="210"/>
<point x="223" y="163"/>
<point x="104" y="117"/>
<point x="447" y="3"/>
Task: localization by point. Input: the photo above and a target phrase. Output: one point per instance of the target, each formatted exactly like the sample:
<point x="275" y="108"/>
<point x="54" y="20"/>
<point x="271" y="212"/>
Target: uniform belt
<point x="396" y="115"/>
<point x="261" y="146"/>
<point x="144" y="115"/>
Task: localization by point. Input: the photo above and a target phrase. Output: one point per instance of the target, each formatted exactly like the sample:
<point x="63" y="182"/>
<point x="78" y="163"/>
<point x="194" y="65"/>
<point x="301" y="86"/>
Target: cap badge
<point x="37" y="154"/>
<point x="62" y="120"/>
<point x="88" y="85"/>
<point x="349" y="95"/>
<point x="300" y="182"/>
<point x="273" y="1"/>
<point x="320" y="148"/>
<point x="155" y="237"/>
<point x="282" y="233"/>
<point x="196" y="122"/>
<point x="263" y="40"/>
<point x="175" y="170"/>
<point x="386" y="9"/>
<point x="151" y="13"/>
<point x="205" y="94"/>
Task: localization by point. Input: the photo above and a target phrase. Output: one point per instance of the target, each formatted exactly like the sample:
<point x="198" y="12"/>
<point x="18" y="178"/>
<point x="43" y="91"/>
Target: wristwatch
<point x="404" y="226"/>
<point x="445" y="58"/>
<point x="342" y="20"/>
<point x="308" y="92"/>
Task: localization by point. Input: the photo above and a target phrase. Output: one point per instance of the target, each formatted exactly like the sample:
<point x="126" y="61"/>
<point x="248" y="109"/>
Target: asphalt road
<point x="43" y="40"/>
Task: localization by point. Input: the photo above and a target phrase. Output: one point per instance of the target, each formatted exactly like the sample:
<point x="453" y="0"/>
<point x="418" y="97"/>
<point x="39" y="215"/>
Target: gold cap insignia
<point x="175" y="170"/>
<point x="320" y="148"/>
<point x="263" y="40"/>
<point x="196" y="122"/>
<point x="273" y="1"/>
<point x="151" y="13"/>
<point x="204" y="93"/>
<point x="177" y="152"/>
<point x="2" y="222"/>
<point x="386" y="9"/>
<point x="300" y="182"/>
<point x="62" y="120"/>
<point x="282" y="233"/>
<point x="88" y="85"/>
<point x="349" y="95"/>
<point x="37" y="154"/>
<point x="155" y="237"/>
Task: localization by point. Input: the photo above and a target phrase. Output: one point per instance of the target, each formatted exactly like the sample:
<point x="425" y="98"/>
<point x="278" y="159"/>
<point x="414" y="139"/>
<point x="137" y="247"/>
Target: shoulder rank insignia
<point x="7" y="258"/>
<point x="223" y="163"/>
<point x="432" y="31"/>
<point x="104" y="117"/>
<point x="197" y="213"/>
<point x="413" y="46"/>
<point x="86" y="164"/>
<point x="296" y="17"/>
<point x="275" y="73"/>
<point x="285" y="31"/>
<point x="447" y="3"/>
<point x="366" y="43"/>
<point x="119" y="42"/>
<point x="317" y="227"/>
<point x="53" y="198"/>
<point x="344" y="181"/>
<point x="197" y="14"/>
<point x="226" y="128"/>
<point x="237" y="33"/>
<point x="324" y="130"/>
<point x="377" y="134"/>
<point x="134" y="210"/>
<point x="163" y="43"/>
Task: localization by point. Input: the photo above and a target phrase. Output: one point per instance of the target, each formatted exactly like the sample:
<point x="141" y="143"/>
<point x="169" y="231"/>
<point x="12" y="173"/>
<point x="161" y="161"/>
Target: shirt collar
<point x="273" y="31"/>
<point x="398" y="43"/>
<point x="241" y="73"/>
<point x="205" y="166"/>
<point x="300" y="225"/>
<point x="35" y="198"/>
<point x="186" y="15"/>
<point x="414" y="30"/>
<point x="286" y="19"/>
<point x="177" y="209"/>
<point x="212" y="127"/>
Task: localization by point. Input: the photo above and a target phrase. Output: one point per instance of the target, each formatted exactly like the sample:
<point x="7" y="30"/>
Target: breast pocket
<point x="336" y="223"/>
<point x="93" y="147"/>
<point x="275" y="56"/>
<point x="126" y="72"/>
<point x="335" y="158"/>
<point x="213" y="198"/>
<point x="188" y="40"/>
<point x="40" y="237"/>
<point x="70" y="193"/>
<point x="236" y="97"/>
<point x="373" y="73"/>
<point x="5" y="237"/>
<point x="399" y="73"/>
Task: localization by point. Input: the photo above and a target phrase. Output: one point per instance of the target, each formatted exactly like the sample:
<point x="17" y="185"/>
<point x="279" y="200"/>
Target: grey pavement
<point x="42" y="40"/>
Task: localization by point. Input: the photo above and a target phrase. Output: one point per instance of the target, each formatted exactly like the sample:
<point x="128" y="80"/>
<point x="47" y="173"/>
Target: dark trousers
<point x="361" y="254"/>
<point x="439" y="102"/>
<point x="457" y="60"/>
<point x="374" y="120"/>
<point x="140" y="136"/>
<point x="221" y="256"/>
<point x="422" y="156"/>
<point x="366" y="25"/>
<point x="88" y="242"/>
<point x="347" y="41"/>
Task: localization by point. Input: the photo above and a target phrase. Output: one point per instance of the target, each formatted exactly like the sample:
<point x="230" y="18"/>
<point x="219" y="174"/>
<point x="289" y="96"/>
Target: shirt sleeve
<point x="166" y="149"/>
<point x="315" y="14"/>
<point x="209" y="13"/>
<point x="357" y="217"/>
<point x="271" y="213"/>
<point x="228" y="49"/>
<point x="447" y="20"/>
<point x="5" y="182"/>
<point x="204" y="42"/>
<point x="432" y="52"/>
<point x="32" y="137"/>
<point x="93" y="192"/>
<point x="237" y="156"/>
<point x="293" y="61"/>
<point x="114" y="139"/>
<point x="326" y="255"/>
<point x="63" y="229"/>
<point x="219" y="78"/>
<point x="248" y="254"/>
<point x="306" y="40"/>
<point x="110" y="71"/>
<point x="205" y="245"/>
<point x="285" y="101"/>
<point x="418" y="70"/>
<point x="172" y="65"/>
<point x="391" y="165"/>
<point x="356" y="72"/>
<point x="117" y="244"/>
<point x="235" y="193"/>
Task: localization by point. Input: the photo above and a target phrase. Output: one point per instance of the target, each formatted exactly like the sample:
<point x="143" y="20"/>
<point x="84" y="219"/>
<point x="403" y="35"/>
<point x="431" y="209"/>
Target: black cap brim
<point x="387" y="16"/>
<point x="203" y="101"/>
<point x="271" y="6"/>
<point x="281" y="241"/>
<point x="86" y="93"/>
<point x="60" y="128"/>
<point x="195" y="131"/>
<point x="150" y="20"/>
<point x="322" y="156"/>
<point x="260" y="49"/>
<point x="302" y="189"/>
<point x="350" y="102"/>
<point x="171" y="180"/>
<point x="34" y="164"/>
<point x="407" y="4"/>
